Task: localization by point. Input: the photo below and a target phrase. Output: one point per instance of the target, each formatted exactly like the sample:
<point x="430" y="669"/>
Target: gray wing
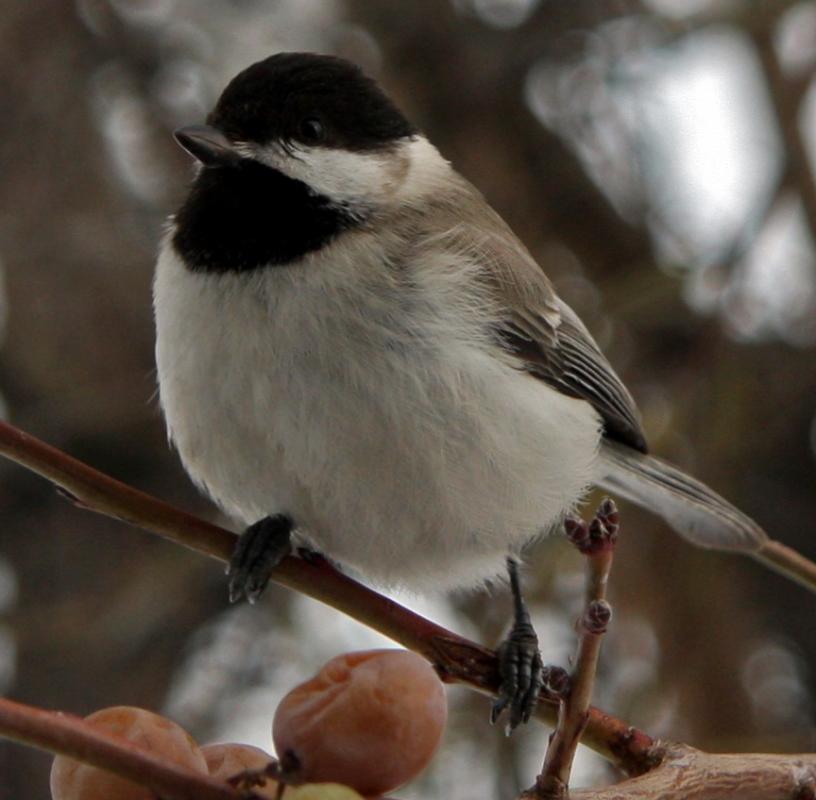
<point x="535" y="325"/>
<point x="552" y="344"/>
<point x="560" y="351"/>
<point x="567" y="358"/>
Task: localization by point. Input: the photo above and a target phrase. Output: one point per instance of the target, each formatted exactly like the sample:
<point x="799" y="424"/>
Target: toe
<point x="259" y="550"/>
<point x="520" y="669"/>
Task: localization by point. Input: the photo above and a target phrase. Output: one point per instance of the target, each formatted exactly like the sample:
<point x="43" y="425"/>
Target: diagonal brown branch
<point x="457" y="659"/>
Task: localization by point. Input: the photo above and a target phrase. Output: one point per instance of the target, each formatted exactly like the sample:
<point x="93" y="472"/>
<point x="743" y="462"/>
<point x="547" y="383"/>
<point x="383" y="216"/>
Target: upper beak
<point x="208" y="145"/>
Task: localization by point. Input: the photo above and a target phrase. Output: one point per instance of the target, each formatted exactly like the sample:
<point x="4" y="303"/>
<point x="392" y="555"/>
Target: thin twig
<point x="786" y="561"/>
<point x="787" y="95"/>
<point x="597" y="542"/>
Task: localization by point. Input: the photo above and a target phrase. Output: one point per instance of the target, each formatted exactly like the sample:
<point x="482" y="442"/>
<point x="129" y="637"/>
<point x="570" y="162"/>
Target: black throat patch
<point x="242" y="218"/>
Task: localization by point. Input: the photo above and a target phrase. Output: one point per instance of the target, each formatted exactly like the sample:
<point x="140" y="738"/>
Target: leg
<point x="259" y="550"/>
<point x="520" y="666"/>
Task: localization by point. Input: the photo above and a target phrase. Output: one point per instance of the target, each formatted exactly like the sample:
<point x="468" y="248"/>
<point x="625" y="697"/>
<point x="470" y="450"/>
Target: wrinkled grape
<point x="370" y="720"/>
<point x="73" y="780"/>
<point x="225" y="760"/>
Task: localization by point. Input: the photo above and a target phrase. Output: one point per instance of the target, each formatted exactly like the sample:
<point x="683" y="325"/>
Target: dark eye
<point x="311" y="130"/>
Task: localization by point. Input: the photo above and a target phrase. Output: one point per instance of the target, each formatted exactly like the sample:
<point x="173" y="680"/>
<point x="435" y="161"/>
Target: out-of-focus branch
<point x="759" y="21"/>
<point x="457" y="659"/>
<point x="92" y="744"/>
<point x="787" y="95"/>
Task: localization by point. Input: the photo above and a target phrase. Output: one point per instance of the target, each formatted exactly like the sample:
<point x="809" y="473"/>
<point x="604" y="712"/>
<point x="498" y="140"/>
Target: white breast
<point x="371" y="405"/>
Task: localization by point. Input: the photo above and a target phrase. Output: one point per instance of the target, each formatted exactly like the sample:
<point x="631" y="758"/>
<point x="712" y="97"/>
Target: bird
<point x="356" y="354"/>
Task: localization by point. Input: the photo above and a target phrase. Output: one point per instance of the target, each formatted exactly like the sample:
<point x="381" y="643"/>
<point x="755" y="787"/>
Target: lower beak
<point x="208" y="145"/>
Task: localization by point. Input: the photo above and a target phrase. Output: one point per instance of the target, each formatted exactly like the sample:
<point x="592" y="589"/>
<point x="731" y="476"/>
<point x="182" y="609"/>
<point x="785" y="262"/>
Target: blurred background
<point x="657" y="157"/>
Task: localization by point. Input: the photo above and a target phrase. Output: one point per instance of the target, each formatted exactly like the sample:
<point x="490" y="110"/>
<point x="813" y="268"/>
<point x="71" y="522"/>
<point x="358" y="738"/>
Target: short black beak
<point x="208" y="145"/>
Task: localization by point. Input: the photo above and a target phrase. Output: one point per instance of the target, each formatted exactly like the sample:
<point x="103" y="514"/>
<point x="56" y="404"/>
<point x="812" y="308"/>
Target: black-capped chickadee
<point x="353" y="347"/>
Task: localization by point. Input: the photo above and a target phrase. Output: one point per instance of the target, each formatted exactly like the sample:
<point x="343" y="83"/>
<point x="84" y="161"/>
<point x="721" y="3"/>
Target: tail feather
<point x="696" y="512"/>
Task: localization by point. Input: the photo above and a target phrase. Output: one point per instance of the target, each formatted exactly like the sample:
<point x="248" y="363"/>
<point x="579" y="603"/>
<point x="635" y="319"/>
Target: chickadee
<point x="354" y="348"/>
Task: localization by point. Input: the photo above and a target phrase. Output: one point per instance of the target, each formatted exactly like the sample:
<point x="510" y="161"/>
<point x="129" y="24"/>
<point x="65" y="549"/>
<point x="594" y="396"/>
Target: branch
<point x="787" y="95"/>
<point x="675" y="770"/>
<point x="92" y="744"/>
<point x="786" y="561"/>
<point x="689" y="774"/>
<point x="684" y="774"/>
<point x="457" y="659"/>
<point x="597" y="542"/>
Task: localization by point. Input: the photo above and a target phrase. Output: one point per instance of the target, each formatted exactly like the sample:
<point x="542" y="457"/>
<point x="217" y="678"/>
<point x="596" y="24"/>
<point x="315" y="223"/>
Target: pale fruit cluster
<point x="367" y="723"/>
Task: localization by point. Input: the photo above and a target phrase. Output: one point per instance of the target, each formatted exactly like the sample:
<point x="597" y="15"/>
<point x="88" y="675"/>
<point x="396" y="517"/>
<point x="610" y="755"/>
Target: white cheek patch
<point x="341" y="175"/>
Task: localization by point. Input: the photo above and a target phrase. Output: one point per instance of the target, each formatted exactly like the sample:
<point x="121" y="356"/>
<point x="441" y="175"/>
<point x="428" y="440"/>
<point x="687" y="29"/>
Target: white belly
<point x="422" y="461"/>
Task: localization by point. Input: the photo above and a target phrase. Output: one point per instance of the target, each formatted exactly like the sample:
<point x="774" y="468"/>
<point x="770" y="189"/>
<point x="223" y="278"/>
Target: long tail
<point x="696" y="512"/>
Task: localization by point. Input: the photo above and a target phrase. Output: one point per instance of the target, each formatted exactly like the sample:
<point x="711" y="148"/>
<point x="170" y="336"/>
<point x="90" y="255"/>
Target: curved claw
<point x="520" y="668"/>
<point x="260" y="549"/>
<point x="520" y="665"/>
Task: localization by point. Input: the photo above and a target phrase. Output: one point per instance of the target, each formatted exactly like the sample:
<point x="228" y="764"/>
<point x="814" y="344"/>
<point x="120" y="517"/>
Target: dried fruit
<point x="73" y="780"/>
<point x="369" y="720"/>
<point x="228" y="759"/>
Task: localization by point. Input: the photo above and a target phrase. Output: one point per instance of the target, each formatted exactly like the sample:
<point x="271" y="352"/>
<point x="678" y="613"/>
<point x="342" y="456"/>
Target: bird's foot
<point x="261" y="547"/>
<point x="520" y="666"/>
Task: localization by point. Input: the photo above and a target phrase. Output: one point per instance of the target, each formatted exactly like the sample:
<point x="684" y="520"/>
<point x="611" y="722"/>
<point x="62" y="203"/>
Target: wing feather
<point x="536" y="326"/>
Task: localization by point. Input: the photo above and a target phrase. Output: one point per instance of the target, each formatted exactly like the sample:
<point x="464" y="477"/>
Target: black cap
<point x="311" y="99"/>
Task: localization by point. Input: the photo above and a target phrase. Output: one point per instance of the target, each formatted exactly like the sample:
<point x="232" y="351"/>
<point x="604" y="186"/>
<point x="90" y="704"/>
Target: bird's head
<point x="315" y="119"/>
